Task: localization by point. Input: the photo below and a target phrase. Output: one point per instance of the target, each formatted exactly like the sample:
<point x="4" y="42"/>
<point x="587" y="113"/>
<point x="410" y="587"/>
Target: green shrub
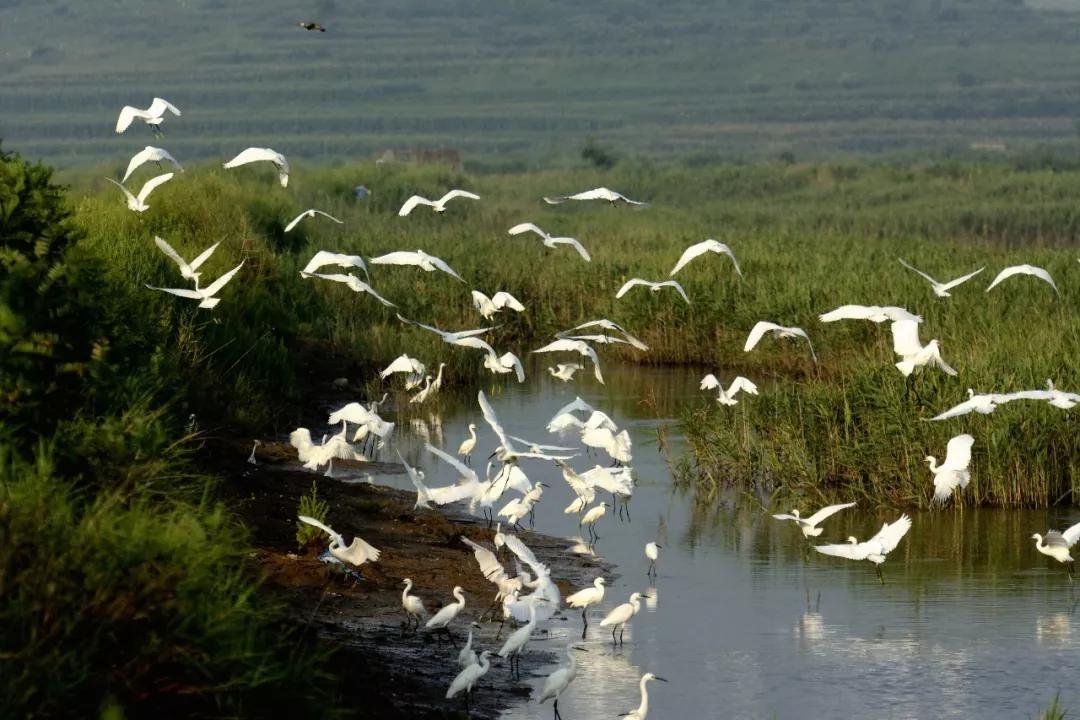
<point x="311" y="506"/>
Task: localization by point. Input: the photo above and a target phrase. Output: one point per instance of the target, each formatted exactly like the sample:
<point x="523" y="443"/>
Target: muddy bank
<point x="387" y="671"/>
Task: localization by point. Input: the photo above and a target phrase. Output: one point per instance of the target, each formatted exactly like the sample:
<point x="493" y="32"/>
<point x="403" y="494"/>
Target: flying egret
<point x="251" y="458"/>
<point x="152" y="116"/>
<point x="586" y="598"/>
<point x="149" y="154"/>
<point x="706" y="246"/>
<point x="578" y="346"/>
<point x="653" y="286"/>
<point x="488" y="306"/>
<point x="405" y="364"/>
<point x="559" y="680"/>
<point x="954" y="471"/>
<point x="413" y="605"/>
<point x="357" y="553"/>
<point x="606" y="325"/>
<point x="255" y="154"/>
<point x="565" y="371"/>
<point x="983" y="404"/>
<point x="727" y="397"/>
<point x="778" y="331"/>
<point x="643" y="707"/>
<point x="442" y="619"/>
<point x="325" y="257"/>
<point x="436" y="205"/>
<point x="809" y="525"/>
<point x="138" y="203"/>
<point x="1024" y="270"/>
<point x="1056" y="545"/>
<point x="495" y="573"/>
<point x="312" y="455"/>
<point x="518" y="639"/>
<point x="187" y="270"/>
<point x="600" y="193"/>
<point x="550" y="241"/>
<point x="355" y="284"/>
<point x="942" y="289"/>
<point x="914" y="354"/>
<point x="438" y="495"/>
<point x="652" y="551"/>
<point x="875" y="549"/>
<point x="873" y="313"/>
<point x="467" y="445"/>
<point x="420" y="259"/>
<point x="310" y="214"/>
<point x="542" y="585"/>
<point x="205" y="295"/>
<point x="468" y="677"/>
<point x="622" y="614"/>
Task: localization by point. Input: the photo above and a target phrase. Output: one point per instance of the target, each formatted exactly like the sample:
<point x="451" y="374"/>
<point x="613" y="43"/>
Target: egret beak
<point x="657" y="677"/>
<point x="545" y="484"/>
<point x="579" y="648"/>
<point x="647" y="597"/>
<point x="661" y="547"/>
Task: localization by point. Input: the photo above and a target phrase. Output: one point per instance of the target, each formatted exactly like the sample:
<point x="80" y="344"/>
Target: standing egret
<point x="467" y="445"/>
<point x="643" y="707"/>
<point x="706" y="246"/>
<point x="558" y="681"/>
<point x="443" y="618"/>
<point x="954" y="471"/>
<point x="621" y="615"/>
<point x="653" y="286"/>
<point x="778" y="331"/>
<point x="255" y="154"/>
<point x="942" y="289"/>
<point x="420" y="259"/>
<point x="205" y="295"/>
<point x="1023" y="270"/>
<point x="600" y="193"/>
<point x="809" y="525"/>
<point x="310" y="214"/>
<point x="468" y="677"/>
<point x="1056" y="545"/>
<point x="565" y="371"/>
<point x="518" y="639"/>
<point x="550" y="241"/>
<point x="488" y="306"/>
<point x="585" y="598"/>
<point x="413" y="605"/>
<point x="727" y="397"/>
<point x="138" y="203"/>
<point x="187" y="270"/>
<point x="152" y="116"/>
<point x="914" y="354"/>
<point x="652" y="551"/>
<point x="590" y="518"/>
<point x="436" y="205"/>
<point x="149" y="154"/>
<point x="875" y="549"/>
<point x="467" y="656"/>
<point x="251" y="458"/>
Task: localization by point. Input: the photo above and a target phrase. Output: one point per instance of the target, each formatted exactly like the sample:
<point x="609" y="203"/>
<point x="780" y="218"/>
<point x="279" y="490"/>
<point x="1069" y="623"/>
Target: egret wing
<point x="173" y="255"/>
<point x="573" y="243"/>
<point x="631" y="283"/>
<point x="962" y="279"/>
<point x="411" y="204"/>
<point x="491" y="419"/>
<point x="401" y="257"/>
<point x="159" y="106"/>
<point x="851" y="551"/>
<point x="203" y="256"/>
<point x="1072" y="534"/>
<point x="757" y="332"/>
<point x="742" y="384"/>
<point x="152" y="183"/>
<point x="905" y="334"/>
<point x="212" y="289"/>
<point x="709" y="382"/>
<point x="503" y="299"/>
<point x="890" y="534"/>
<point x="914" y="269"/>
<point x="826" y="512"/>
<point x="527" y="227"/>
<point x="958" y="452"/>
<point x="455" y="193"/>
<point x="489" y="564"/>
<point x="130" y="197"/>
<point x="325" y="528"/>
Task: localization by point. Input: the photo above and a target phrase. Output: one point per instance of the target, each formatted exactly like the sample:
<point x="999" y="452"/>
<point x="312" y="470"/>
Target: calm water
<point x="746" y="623"/>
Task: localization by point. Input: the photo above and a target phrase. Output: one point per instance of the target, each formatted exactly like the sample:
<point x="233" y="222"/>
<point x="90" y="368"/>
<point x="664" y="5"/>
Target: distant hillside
<point x="531" y="80"/>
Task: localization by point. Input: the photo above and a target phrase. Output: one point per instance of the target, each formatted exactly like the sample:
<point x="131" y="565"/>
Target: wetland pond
<point x="745" y="621"/>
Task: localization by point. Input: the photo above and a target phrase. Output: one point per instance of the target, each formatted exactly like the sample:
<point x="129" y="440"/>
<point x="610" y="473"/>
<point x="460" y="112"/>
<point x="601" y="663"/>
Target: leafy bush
<point x="311" y="506"/>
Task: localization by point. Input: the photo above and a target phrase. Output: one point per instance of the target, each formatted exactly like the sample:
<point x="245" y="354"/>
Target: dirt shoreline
<point x="387" y="672"/>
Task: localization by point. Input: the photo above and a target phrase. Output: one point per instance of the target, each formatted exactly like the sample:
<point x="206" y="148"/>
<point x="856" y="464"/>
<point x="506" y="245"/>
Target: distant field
<point x="523" y="84"/>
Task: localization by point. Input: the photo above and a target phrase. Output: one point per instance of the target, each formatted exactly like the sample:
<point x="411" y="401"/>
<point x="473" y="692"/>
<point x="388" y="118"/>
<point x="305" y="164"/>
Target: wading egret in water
<point x="310" y="214"/>
<point x="875" y="549"/>
<point x="468" y="677"/>
<point x="727" y="397"/>
<point x="149" y="154"/>
<point x="564" y="371"/>
<point x="621" y="615"/>
<point x="187" y="270"/>
<point x="558" y="681"/>
<point x="518" y="639"/>
<point x="652" y="551"/>
<point x="436" y="205"/>
<point x="358" y="553"/>
<point x="653" y="286"/>
<point x="325" y="257"/>
<point x="488" y="306"/>
<point x="152" y="116"/>
<point x="952" y="473"/>
<point x="643" y="707"/>
<point x="442" y="619"/>
<point x="251" y="458"/>
<point x="467" y="445"/>
<point x="942" y="289"/>
<point x="549" y="241"/>
<point x="1024" y="270"/>
<point x="420" y="259"/>
<point x="907" y="345"/>
<point x="254" y="154"/>
<point x="467" y="656"/>
<point x="1056" y="545"/>
<point x="778" y="331"/>
<point x="205" y="295"/>
<point x="590" y="518"/>
<point x="809" y="525"/>
<point x="873" y="313"/>
<point x="600" y="193"/>
<point x="138" y="203"/>
<point x="413" y="605"/>
<point x="586" y="598"/>
<point x="706" y="246"/>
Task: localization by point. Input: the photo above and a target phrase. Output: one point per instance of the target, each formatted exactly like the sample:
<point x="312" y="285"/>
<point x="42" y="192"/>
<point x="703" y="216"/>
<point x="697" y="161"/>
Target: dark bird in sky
<point x="311" y="26"/>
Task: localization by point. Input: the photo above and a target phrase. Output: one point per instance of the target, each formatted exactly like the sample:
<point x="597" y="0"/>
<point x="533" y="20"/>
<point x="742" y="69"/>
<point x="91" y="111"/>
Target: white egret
<point x="468" y="677"/>
<point x="622" y="614"/>
<point x="187" y="270"/>
<point x="251" y="458"/>
<point x="355" y="284"/>
<point x="954" y="471"/>
<point x="907" y="345"/>
<point x="312" y="456"/>
<point x="706" y="246"/>
<point x="467" y="656"/>
<point x="541" y="584"/>
<point x="405" y="364"/>
<point x="618" y="481"/>
<point x="442" y="619"/>
<point x="518" y="639"/>
<point x="488" y="306"/>
<point x="1024" y="270"/>
<point x="254" y="154"/>
<point x="642" y="710"/>
<point x="559" y="680"/>
<point x="149" y="154"/>
<point x="550" y="241"/>
<point x="727" y="397"/>
<point x="495" y="573"/>
<point x="875" y="549"/>
<point x="600" y="193"/>
<point x="138" y="203"/>
<point x="565" y="371"/>
<point x="653" y="286"/>
<point x="438" y="495"/>
<point x="413" y="605"/>
<point x="467" y="445"/>
<point x="578" y="346"/>
<point x="983" y="404"/>
<point x="420" y="259"/>
<point x="310" y="213"/>
<point x="325" y="257"/>
<point x="431" y="388"/>
<point x="357" y="553"/>
<point x="873" y="313"/>
<point x="205" y="295"/>
<point x="606" y="325"/>
<point x="436" y="205"/>
<point x="942" y="289"/>
<point x="152" y="116"/>
<point x="652" y="551"/>
<point x="1056" y="545"/>
<point x="615" y="444"/>
<point x="366" y="417"/>
<point x="809" y="525"/>
<point x="778" y="331"/>
<point x="585" y="599"/>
